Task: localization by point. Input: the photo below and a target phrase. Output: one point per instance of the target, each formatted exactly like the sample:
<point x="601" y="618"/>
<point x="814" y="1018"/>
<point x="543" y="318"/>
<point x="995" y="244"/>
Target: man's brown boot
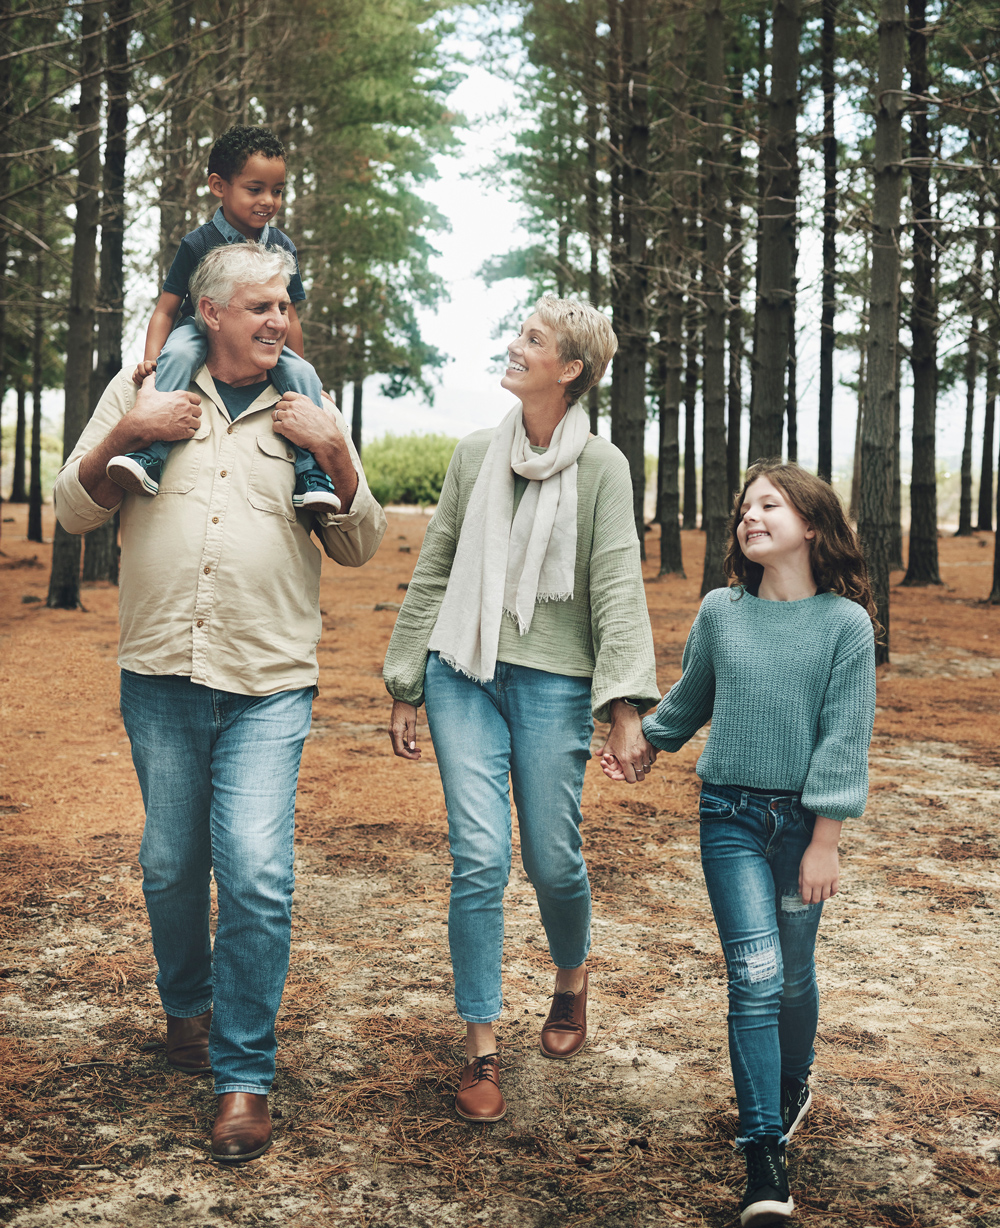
<point x="187" y="1043"/>
<point x="565" y="1030"/>
<point x="242" y="1129"/>
<point x="479" y="1096"/>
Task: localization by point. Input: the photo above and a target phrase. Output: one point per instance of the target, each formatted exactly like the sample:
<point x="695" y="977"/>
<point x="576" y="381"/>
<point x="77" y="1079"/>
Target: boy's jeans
<point x="218" y="773"/>
<point x="184" y="353"/>
<point x="751" y="846"/>
<point x="530" y="730"/>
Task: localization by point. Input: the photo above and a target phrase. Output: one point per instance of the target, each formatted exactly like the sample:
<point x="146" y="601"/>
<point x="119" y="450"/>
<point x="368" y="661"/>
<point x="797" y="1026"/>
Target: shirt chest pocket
<point x="272" y="476"/>
<point x="183" y="464"/>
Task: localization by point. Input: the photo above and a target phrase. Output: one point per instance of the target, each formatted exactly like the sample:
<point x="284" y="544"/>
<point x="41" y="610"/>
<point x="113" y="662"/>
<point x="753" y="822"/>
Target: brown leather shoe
<point x="565" y="1030"/>
<point x="187" y="1043"/>
<point x="242" y="1129"/>
<point x="479" y="1096"/>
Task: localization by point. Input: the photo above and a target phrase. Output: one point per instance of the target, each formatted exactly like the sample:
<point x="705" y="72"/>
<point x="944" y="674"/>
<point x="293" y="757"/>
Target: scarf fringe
<point x="541" y="598"/>
<point x="452" y="663"/>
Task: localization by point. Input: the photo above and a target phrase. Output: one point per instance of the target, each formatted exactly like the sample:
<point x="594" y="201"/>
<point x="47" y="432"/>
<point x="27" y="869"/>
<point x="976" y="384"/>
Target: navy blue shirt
<point x="238" y="399"/>
<point x="215" y="233"/>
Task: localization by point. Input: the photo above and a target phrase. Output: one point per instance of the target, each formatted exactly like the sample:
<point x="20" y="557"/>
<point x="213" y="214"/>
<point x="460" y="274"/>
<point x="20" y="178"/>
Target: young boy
<point x="246" y="172"/>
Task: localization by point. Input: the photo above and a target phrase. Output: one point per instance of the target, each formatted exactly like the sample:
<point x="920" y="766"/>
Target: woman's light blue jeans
<point x="184" y="354"/>
<point x="751" y="847"/>
<point x="533" y="729"/>
<point x="218" y="773"/>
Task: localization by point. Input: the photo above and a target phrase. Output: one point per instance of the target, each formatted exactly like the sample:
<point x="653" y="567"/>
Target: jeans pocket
<point x="711" y="807"/>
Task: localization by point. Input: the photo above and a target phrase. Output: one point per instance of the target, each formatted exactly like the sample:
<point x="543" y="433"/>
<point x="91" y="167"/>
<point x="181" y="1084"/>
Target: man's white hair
<point x="224" y="269"/>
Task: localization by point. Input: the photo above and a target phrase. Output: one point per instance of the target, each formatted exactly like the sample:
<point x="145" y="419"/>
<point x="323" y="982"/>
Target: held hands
<point x="626" y="755"/>
<point x="403" y="730"/>
<point x="819" y="869"/>
<point x="167" y="416"/>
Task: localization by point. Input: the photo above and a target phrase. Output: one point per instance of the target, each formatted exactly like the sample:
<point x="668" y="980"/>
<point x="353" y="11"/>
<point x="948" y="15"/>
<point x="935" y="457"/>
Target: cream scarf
<point x="502" y="566"/>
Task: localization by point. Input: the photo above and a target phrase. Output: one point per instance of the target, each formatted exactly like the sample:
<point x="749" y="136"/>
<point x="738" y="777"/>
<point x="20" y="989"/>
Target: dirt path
<point x="905" y="1132"/>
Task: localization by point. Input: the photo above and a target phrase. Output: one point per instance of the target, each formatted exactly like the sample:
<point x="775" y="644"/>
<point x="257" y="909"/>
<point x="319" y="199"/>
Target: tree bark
<point x="691" y="374"/>
<point x="671" y="327"/>
<point x="6" y="117"/>
<point x="628" y="424"/>
<point x="777" y="239"/>
<point x="64" y="582"/>
<point x="594" y="235"/>
<point x="984" y="519"/>
<point x="827" y="335"/>
<point x="715" y="500"/>
<point x="875" y="521"/>
<point x="35" y="476"/>
<point x="18" y="490"/>
<point x="922" y="558"/>
<point x="971" y="380"/>
<point x="736" y="272"/>
<point x="358" y="393"/>
<point x="100" y="554"/>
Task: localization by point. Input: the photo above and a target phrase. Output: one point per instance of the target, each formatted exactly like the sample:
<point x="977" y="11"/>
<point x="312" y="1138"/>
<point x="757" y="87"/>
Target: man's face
<point x="249" y="334"/>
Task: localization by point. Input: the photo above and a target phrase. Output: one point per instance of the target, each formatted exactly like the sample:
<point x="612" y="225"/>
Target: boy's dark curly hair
<point x="837" y="559"/>
<point x="230" y="152"/>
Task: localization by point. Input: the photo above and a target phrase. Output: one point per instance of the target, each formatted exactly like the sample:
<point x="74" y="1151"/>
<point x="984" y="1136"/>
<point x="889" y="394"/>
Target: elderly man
<point x="220" y="618"/>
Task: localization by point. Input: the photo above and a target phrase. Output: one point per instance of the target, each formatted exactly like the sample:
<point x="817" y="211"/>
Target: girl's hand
<point x="403" y="730"/>
<point x="146" y="367"/>
<point x="819" y="869"/>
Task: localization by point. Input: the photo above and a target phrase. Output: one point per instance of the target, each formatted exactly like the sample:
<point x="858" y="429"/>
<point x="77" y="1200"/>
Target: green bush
<point x="408" y="468"/>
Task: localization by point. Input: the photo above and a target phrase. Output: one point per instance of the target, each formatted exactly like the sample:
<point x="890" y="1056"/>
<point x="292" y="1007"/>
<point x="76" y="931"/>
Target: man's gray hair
<point x="224" y="269"/>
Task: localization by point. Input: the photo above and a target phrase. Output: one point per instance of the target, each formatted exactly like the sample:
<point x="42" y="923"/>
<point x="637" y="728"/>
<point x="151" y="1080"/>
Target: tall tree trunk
<point x="971" y="380"/>
<point x="671" y="327"/>
<point x="691" y="374"/>
<point x="715" y="494"/>
<point x="984" y="519"/>
<point x="896" y="540"/>
<point x="64" y="582"/>
<point x="735" y="386"/>
<point x="6" y="145"/>
<point x="594" y="234"/>
<point x="18" y="490"/>
<point x="761" y="100"/>
<point x="827" y="336"/>
<point x="358" y="390"/>
<point x="777" y="237"/>
<point x="862" y="380"/>
<point x="35" y="476"/>
<point x="875" y="522"/>
<point x="628" y="426"/>
<point x="994" y="597"/>
<point x="176" y="170"/>
<point x="922" y="560"/>
<point x="792" y="367"/>
<point x="100" y="554"/>
<point x="616" y="251"/>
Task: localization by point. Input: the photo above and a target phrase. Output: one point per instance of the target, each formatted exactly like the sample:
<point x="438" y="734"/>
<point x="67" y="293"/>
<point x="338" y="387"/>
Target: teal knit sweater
<point x="789" y="687"/>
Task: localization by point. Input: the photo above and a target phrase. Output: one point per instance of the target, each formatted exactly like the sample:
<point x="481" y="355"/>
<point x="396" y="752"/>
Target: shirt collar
<point x="231" y="234"/>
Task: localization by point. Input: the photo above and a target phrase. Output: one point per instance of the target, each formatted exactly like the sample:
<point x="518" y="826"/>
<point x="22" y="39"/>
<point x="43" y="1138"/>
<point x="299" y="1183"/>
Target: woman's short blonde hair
<point x="582" y="333"/>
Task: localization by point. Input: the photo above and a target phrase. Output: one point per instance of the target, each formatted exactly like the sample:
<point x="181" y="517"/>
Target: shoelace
<point x="764" y="1169"/>
<point x="481" y="1070"/>
<point x="562" y="1007"/>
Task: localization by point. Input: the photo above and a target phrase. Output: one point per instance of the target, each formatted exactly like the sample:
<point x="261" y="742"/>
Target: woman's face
<point x="533" y="363"/>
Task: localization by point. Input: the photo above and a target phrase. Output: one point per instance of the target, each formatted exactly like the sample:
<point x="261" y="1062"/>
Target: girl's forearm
<point x="826" y="832"/>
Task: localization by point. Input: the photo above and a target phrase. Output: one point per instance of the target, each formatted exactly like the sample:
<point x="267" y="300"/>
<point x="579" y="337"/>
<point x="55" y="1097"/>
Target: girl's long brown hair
<point x="838" y="562"/>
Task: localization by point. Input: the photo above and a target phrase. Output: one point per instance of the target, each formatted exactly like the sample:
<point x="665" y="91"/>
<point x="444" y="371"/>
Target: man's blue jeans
<point x="184" y="354"/>
<point x="751" y="847"/>
<point x="533" y="728"/>
<point x="218" y="773"/>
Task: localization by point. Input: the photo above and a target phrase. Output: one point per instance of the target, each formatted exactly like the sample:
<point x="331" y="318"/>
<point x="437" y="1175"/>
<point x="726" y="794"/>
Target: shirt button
<point x="200" y="622"/>
<point x="207" y="570"/>
<point x="215" y="520"/>
<point x="222" y="473"/>
<point x="230" y="431"/>
<point x="290" y="455"/>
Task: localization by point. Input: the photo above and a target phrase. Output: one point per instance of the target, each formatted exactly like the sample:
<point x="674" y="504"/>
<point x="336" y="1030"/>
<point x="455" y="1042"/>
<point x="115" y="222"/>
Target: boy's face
<point x="252" y="197"/>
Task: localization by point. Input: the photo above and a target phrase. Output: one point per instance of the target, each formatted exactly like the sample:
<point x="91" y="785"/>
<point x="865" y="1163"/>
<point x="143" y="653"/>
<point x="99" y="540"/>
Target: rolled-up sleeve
<point x="76" y="511"/>
<point x="351" y="538"/>
<point x="624" y="660"/>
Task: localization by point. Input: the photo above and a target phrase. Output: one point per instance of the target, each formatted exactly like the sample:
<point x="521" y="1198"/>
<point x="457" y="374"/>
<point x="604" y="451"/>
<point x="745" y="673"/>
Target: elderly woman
<point x="525" y="620"/>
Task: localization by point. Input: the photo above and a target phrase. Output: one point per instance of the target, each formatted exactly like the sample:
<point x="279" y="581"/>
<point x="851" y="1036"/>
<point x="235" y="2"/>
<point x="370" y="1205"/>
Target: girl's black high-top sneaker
<point x="767" y="1200"/>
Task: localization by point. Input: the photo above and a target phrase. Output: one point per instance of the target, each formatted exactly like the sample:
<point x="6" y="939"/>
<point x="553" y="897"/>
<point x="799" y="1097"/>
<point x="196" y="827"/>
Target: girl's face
<point x="771" y="532"/>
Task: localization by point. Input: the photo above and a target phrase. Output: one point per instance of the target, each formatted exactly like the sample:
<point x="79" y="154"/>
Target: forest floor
<point x="97" y="1129"/>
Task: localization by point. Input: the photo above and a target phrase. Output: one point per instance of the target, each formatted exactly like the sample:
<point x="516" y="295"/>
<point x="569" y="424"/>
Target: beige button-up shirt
<point x="219" y="574"/>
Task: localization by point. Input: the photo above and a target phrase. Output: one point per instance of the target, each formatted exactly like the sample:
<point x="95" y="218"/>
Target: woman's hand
<point x="626" y="755"/>
<point x="403" y="730"/>
<point x="819" y="869"/>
